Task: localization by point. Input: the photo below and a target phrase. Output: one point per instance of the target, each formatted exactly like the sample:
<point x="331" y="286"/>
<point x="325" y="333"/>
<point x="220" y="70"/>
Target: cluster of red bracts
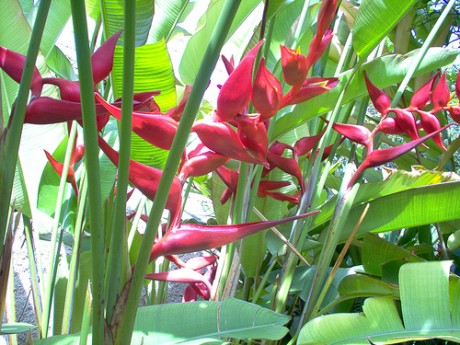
<point x="428" y="100"/>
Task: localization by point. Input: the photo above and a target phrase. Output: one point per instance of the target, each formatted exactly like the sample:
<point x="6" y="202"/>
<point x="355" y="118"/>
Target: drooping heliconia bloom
<point x="440" y="95"/>
<point x="58" y="167"/>
<point x="147" y="179"/>
<point x="201" y="161"/>
<point x="422" y="96"/>
<point x="222" y="138"/>
<point x="287" y="164"/>
<point x="356" y="133"/>
<point x="310" y="88"/>
<point x="382" y="156"/>
<point x="318" y="46"/>
<point x="267" y="92"/>
<point x="102" y="58"/>
<point x="182" y="275"/>
<point x="253" y="135"/>
<point x="380" y="99"/>
<point x="405" y="120"/>
<point x="294" y="66"/>
<point x="188" y="238"/>
<point x="235" y="93"/>
<point x="157" y="129"/>
<point x="430" y="123"/>
<point x="13" y="64"/>
<point x="306" y="144"/>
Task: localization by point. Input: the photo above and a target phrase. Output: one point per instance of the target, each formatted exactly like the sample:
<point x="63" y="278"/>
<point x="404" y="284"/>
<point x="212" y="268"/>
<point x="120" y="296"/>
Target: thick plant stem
<point x="92" y="167"/>
<point x="116" y="256"/>
<point x="126" y="324"/>
<point x="11" y="137"/>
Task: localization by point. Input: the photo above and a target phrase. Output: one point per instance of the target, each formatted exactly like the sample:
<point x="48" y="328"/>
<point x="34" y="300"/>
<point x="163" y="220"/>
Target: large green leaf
<point x="426" y="314"/>
<point x="167" y="15"/>
<point x="400" y="202"/>
<point x="152" y="71"/>
<point x="196" y="46"/>
<point x="198" y="323"/>
<point x="374" y="20"/>
<point x="206" y="323"/>
<point x="113" y="18"/>
<point x="383" y="72"/>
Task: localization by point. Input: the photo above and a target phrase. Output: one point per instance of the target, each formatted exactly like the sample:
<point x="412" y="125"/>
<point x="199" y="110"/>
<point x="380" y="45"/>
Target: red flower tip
<point x="311" y="88"/>
<point x="13" y="64"/>
<point x="68" y="90"/>
<point x="357" y="133"/>
<point x="441" y="94"/>
<point x="455" y="113"/>
<point x="421" y="97"/>
<point x="318" y="46"/>
<point x="102" y="59"/>
<point x="294" y="66"/>
<point x="235" y="94"/>
<point x="267" y="92"/>
<point x="405" y="120"/>
<point x="58" y="167"/>
<point x="389" y="126"/>
<point x="157" y="129"/>
<point x="379" y="99"/>
<point x="201" y="161"/>
<point x="228" y="64"/>
<point x="306" y="144"/>
<point x="430" y="124"/>
<point x="253" y="136"/>
<point x="188" y="238"/>
<point x="176" y="112"/>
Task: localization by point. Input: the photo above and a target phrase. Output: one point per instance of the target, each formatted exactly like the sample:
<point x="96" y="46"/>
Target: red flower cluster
<point x="427" y="101"/>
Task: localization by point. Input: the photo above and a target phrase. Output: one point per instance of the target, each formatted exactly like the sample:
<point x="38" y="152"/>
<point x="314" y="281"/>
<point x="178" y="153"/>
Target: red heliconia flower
<point x="253" y="136"/>
<point x="222" y="138"/>
<point x="440" y="96"/>
<point x="382" y="156"/>
<point x="389" y="126"/>
<point x="176" y="112"/>
<point x="311" y="88"/>
<point x="266" y="188"/>
<point x="318" y="46"/>
<point x="422" y="96"/>
<point x="357" y="133"/>
<point x="69" y="90"/>
<point x="455" y="113"/>
<point x="13" y="64"/>
<point x="58" y="167"/>
<point x="379" y="99"/>
<point x="306" y="144"/>
<point x="405" y="120"/>
<point x="147" y="179"/>
<point x="235" y="94"/>
<point x="294" y="66"/>
<point x="182" y="275"/>
<point x="228" y="64"/>
<point x="201" y="161"/>
<point x="199" y="262"/>
<point x="326" y="15"/>
<point x="157" y="129"/>
<point x="188" y="238"/>
<point x="102" y="58"/>
<point x="267" y="92"/>
<point x="286" y="164"/>
<point x="430" y="123"/>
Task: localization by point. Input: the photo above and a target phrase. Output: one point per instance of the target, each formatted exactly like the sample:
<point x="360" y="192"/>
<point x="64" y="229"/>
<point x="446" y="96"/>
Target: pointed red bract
<point x="235" y="94"/>
<point x="200" y="162"/>
<point x="188" y="238"/>
<point x="253" y="136"/>
<point x="102" y="59"/>
<point x="294" y="66"/>
<point x="430" y="124"/>
<point x="311" y="88"/>
<point x="267" y="92"/>
<point x="357" y="133"/>
<point x="318" y="46"/>
<point x="157" y="129"/>
<point x="441" y="94"/>
<point x="147" y="179"/>
<point x="405" y="120"/>
<point x="306" y="144"/>
<point x="422" y="96"/>
<point x="221" y="138"/>
<point x="68" y="90"/>
<point x="59" y="168"/>
<point x="13" y="64"/>
<point x="379" y="99"/>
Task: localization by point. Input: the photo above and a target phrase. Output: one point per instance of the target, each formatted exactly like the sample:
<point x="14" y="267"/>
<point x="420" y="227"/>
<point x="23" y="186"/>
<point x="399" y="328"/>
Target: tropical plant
<point x="328" y="155"/>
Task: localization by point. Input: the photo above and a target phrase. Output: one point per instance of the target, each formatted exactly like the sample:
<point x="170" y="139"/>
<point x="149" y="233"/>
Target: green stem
<point x="209" y="61"/>
<point x="11" y="137"/>
<point x="75" y="259"/>
<point x="92" y="166"/>
<point x="118" y="230"/>
<point x="56" y="232"/>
